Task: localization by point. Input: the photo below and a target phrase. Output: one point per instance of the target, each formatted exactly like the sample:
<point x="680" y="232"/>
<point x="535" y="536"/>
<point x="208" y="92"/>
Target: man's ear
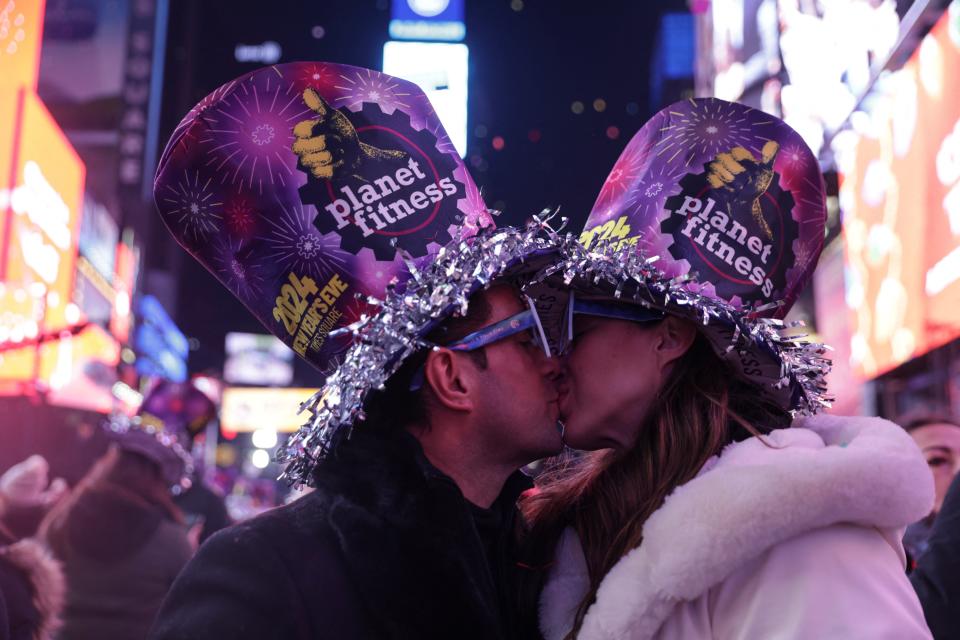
<point x="449" y="379"/>
<point x="675" y="337"/>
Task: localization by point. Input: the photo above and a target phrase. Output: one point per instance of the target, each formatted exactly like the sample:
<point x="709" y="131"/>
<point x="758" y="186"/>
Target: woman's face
<point x="612" y="375"/>
<point x="940" y="444"/>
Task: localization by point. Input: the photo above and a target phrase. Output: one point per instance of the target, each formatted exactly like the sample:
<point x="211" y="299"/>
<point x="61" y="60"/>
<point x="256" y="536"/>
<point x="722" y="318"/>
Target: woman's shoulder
<point x="852" y="576"/>
<point x="822" y="472"/>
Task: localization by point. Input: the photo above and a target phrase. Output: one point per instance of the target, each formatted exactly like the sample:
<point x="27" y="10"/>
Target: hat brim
<point x="786" y="370"/>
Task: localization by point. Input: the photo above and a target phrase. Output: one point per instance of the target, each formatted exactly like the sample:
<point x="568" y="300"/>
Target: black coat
<point x="386" y="547"/>
<point x="936" y="577"/>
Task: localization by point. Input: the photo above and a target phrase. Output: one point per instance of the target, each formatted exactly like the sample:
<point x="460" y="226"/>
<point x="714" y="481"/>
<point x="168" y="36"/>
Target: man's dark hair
<point x="396" y="406"/>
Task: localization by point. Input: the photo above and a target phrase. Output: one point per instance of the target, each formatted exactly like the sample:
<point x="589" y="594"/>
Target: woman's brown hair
<point x="607" y="496"/>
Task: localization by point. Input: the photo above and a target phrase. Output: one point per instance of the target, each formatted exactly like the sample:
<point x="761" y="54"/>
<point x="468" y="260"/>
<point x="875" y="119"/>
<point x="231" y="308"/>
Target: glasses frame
<point x="517" y="323"/>
<point x="606" y="309"/>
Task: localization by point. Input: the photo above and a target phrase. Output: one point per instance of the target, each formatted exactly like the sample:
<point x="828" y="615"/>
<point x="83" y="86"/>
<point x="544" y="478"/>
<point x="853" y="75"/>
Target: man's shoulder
<point x="279" y="527"/>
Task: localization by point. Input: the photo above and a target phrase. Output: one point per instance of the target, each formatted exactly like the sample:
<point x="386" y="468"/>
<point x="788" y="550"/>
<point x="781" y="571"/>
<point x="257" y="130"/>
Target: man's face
<point x="940" y="444"/>
<point x="516" y="405"/>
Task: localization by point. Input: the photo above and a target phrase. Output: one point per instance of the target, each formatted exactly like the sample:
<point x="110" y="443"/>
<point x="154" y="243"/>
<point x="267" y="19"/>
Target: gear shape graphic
<point x="263" y="134"/>
<point x="316" y="192"/>
<point x="307" y="247"/>
<point x="784" y="226"/>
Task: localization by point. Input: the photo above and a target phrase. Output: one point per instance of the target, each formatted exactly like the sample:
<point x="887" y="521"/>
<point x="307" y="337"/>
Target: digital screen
<point x="160" y="346"/>
<point x="427" y="20"/>
<point x="84" y="371"/>
<point x="440" y="69"/>
<point x="127" y="261"/>
<point x="21" y="28"/>
<point x="257" y="359"/>
<point x="99" y="234"/>
<point x="900" y="194"/>
<point x="252" y="408"/>
<point x="45" y="204"/>
<point x="41" y="209"/>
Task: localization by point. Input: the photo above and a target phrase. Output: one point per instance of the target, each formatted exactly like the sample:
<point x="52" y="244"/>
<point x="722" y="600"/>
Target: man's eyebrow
<point x="937" y="447"/>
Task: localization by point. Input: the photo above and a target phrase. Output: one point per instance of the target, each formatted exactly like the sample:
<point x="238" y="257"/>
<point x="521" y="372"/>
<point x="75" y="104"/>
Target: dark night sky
<point x="526" y="68"/>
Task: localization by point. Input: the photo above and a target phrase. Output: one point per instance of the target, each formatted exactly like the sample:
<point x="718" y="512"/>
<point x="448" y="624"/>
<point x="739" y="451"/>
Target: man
<point x="934" y="542"/>
<point x="414" y="442"/>
<point x="408" y="534"/>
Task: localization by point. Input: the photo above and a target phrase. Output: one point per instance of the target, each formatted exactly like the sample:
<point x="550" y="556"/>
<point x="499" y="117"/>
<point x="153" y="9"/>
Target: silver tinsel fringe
<point x="382" y="341"/>
<point x="632" y="276"/>
<point x="408" y="312"/>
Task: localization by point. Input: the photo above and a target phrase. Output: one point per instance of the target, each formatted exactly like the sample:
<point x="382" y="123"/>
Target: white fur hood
<point x="824" y="470"/>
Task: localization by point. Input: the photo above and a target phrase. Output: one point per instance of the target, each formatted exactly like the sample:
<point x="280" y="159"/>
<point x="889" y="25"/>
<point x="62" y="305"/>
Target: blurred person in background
<point x="934" y="542"/>
<point x="938" y="437"/>
<point x="31" y="581"/>
<point x="120" y="537"/>
<point x="183" y="409"/>
<point x="27" y="494"/>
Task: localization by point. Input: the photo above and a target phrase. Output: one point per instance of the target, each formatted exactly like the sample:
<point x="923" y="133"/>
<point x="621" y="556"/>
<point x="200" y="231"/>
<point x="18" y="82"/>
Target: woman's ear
<point x="676" y="336"/>
<point x="448" y="380"/>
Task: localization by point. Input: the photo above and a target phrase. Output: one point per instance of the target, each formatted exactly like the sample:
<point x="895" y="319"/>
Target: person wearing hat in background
<point x="440" y="389"/>
<point x="181" y="408"/>
<point x="118" y="535"/>
<point x="698" y="513"/>
<point x="933" y="543"/>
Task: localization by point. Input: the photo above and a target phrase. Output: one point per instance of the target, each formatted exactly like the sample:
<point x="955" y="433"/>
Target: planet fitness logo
<point x="734" y="225"/>
<point x="376" y="181"/>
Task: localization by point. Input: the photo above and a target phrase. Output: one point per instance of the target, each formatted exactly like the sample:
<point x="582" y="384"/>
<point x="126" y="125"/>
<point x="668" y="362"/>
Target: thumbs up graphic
<point x="745" y="178"/>
<point x="328" y="146"/>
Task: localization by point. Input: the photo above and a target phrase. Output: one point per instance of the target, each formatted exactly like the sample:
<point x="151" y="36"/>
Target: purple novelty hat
<point x="331" y="202"/>
<point x="297" y="185"/>
<point x="715" y="212"/>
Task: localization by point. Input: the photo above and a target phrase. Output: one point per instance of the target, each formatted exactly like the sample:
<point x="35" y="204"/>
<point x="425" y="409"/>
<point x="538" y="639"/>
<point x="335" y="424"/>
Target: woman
<point x="120" y="538"/>
<point x="698" y="515"/>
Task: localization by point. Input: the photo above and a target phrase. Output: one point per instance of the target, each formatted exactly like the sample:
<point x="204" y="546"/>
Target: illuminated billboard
<point x="21" y="29"/>
<point x="900" y="195"/>
<point x="39" y="216"/>
<point x="161" y="347"/>
<point x="252" y="408"/>
<point x="427" y="20"/>
<point x="44" y="208"/>
<point x="124" y="281"/>
<point x="827" y="49"/>
<point x="83" y="371"/>
<point x="257" y="359"/>
<point x="440" y="69"/>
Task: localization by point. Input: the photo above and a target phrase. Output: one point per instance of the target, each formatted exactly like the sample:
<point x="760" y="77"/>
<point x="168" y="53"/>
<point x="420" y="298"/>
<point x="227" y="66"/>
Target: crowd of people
<point x="694" y="486"/>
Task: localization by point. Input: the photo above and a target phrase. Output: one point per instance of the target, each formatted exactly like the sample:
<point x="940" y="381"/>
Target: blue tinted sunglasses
<point x="527" y="320"/>
<point x="606" y="309"/>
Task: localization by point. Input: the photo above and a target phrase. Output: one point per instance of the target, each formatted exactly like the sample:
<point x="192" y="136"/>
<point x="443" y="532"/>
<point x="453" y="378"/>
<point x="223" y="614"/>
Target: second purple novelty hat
<point x="296" y="184"/>
<point x="715" y="212"/>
